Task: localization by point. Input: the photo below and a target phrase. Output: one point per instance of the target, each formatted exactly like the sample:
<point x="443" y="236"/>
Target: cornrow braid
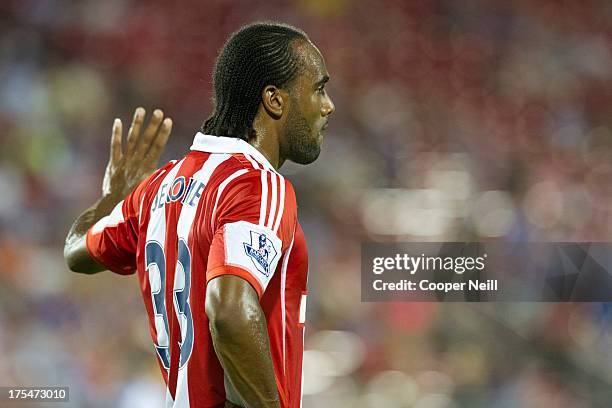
<point x="257" y="55"/>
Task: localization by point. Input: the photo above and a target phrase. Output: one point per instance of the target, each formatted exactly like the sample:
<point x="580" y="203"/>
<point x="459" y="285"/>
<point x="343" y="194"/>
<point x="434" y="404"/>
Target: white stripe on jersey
<point x="219" y="191"/>
<point x="281" y="206"/>
<point x="274" y="187"/>
<point x="254" y="162"/>
<point x="282" y="295"/>
<point x="303" y="309"/>
<point x="156" y="231"/>
<point x="264" y="197"/>
<point x="183" y="227"/>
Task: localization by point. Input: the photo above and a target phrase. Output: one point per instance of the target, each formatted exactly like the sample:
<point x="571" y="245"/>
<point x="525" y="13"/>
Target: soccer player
<point x="214" y="237"/>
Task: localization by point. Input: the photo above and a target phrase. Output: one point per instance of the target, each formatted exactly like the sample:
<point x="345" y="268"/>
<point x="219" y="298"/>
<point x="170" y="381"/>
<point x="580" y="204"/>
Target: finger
<point x="144" y="144"/>
<point x="160" y="142"/>
<point x="134" y="131"/>
<point x="116" y="141"/>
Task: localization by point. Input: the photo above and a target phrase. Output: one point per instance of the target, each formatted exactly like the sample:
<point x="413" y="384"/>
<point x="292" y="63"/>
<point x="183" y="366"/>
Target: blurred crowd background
<point x="455" y="120"/>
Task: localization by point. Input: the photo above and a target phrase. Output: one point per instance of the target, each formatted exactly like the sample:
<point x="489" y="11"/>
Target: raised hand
<point x="128" y="167"/>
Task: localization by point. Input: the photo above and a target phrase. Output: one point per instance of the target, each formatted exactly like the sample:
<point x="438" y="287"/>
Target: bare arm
<point x="240" y="338"/>
<point x="125" y="170"/>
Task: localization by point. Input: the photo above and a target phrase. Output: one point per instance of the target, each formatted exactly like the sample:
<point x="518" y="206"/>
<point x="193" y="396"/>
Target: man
<point x="214" y="237"/>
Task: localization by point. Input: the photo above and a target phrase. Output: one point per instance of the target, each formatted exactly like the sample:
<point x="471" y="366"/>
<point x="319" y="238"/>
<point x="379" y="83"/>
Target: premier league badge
<point x="261" y="251"/>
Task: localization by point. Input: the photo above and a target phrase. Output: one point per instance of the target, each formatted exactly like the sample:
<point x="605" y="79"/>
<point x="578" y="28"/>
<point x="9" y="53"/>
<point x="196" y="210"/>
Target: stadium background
<point x="455" y="120"/>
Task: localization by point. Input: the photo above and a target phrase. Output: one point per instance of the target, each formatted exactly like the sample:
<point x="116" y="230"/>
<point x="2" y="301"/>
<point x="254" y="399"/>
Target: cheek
<point x="315" y="107"/>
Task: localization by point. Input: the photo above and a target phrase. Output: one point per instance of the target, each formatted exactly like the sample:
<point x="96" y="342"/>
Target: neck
<point x="267" y="142"/>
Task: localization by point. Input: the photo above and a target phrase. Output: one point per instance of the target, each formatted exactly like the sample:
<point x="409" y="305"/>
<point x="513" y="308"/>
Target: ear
<point x="273" y="100"/>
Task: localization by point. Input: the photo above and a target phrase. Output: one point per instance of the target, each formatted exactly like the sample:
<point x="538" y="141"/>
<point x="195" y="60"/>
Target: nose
<point x="327" y="108"/>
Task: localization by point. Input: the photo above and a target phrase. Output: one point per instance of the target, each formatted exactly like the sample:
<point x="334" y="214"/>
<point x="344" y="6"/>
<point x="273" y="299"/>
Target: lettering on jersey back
<point x="187" y="192"/>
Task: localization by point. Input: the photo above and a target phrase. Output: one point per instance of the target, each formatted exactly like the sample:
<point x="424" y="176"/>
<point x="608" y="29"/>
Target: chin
<point x="306" y="157"/>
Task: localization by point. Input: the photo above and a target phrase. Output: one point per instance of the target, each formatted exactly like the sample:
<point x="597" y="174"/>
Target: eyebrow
<point x="322" y="81"/>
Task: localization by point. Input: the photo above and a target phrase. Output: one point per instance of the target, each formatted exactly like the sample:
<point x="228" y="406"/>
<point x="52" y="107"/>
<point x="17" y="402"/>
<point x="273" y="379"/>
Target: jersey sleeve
<point x="112" y="241"/>
<point x="253" y="223"/>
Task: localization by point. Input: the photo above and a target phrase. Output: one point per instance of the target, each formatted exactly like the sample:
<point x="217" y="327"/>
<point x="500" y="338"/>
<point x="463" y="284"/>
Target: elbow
<point x="70" y="256"/>
<point x="74" y="262"/>
<point x="78" y="259"/>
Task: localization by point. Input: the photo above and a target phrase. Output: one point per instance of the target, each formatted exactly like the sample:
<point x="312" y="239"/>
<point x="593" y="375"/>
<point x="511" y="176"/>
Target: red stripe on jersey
<point x="190" y="165"/>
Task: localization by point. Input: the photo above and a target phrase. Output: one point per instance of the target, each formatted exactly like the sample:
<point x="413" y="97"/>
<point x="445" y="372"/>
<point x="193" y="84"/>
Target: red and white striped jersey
<point x="221" y="209"/>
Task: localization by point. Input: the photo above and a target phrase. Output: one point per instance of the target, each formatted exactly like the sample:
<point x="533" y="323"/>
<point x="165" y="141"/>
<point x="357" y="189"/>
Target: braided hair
<point x="257" y="55"/>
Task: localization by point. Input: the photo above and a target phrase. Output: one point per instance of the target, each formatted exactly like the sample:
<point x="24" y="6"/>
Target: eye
<point x="321" y="89"/>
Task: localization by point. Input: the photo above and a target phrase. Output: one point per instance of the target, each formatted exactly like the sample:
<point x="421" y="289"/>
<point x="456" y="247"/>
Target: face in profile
<point x="309" y="108"/>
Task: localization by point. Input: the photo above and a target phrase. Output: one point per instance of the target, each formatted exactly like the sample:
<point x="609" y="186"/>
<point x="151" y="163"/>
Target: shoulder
<point x="243" y="173"/>
<point x="260" y="195"/>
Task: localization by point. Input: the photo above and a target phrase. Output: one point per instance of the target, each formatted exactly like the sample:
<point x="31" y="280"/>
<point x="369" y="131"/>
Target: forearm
<point x="242" y="345"/>
<point x="75" y="249"/>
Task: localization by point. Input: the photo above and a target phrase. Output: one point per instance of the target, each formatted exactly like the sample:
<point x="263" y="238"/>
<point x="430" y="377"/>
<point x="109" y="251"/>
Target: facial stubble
<point x="302" y="147"/>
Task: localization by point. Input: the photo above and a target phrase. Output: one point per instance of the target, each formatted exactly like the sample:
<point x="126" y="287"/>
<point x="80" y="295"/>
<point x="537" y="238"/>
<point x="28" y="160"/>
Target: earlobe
<point x="273" y="101"/>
